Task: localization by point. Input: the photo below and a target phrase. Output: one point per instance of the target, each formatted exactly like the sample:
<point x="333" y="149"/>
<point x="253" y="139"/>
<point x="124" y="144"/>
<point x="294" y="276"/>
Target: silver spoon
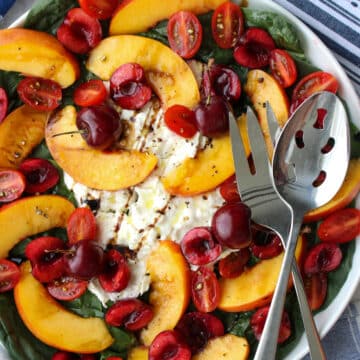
<point x="309" y="165"/>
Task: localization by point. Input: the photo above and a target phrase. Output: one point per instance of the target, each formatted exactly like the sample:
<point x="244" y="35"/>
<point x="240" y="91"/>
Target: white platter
<point x="321" y="57"/>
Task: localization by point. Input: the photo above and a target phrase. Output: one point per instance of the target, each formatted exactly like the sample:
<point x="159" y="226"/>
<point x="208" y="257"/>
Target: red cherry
<point x="64" y="355"/>
<point x="229" y="191"/>
<point x="3" y="104"/>
<point x="265" y="243"/>
<point x="234" y="264"/>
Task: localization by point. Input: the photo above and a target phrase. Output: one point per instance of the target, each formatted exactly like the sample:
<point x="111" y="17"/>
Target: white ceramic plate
<point x="320" y="56"/>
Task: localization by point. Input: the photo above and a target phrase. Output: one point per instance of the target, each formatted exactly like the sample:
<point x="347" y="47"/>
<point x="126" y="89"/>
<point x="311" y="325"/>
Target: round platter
<point x="320" y="56"/>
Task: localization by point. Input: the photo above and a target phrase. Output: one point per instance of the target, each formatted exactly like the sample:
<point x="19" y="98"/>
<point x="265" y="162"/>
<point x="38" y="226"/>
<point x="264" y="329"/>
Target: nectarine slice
<point x="29" y="216"/>
<point x="348" y="191"/>
<point x="133" y="16"/>
<point x="21" y="131"/>
<point x="262" y="87"/>
<point x="37" y="53"/>
<point x="103" y="170"/>
<point x="229" y="347"/>
<point x="168" y="74"/>
<point x="255" y="286"/>
<point x="138" y="353"/>
<point x="170" y="288"/>
<point x="53" y="324"/>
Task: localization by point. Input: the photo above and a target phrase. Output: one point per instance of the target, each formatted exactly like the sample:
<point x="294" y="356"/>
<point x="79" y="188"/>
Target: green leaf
<point x="355" y="141"/>
<point x="9" y="81"/>
<point x="123" y="340"/>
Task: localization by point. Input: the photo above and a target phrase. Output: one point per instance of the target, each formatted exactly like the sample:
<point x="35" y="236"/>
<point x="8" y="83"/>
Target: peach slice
<point x="29" y="216"/>
<point x="256" y="285"/>
<point x="133" y="16"/>
<point x="53" y="324"/>
<point x="170" y="288"/>
<point x="229" y="347"/>
<point x="168" y="74"/>
<point x="262" y="87"/>
<point x="348" y="191"/>
<point x="103" y="170"/>
<point x="21" y="131"/>
<point x="138" y="353"/>
<point x="37" y="53"/>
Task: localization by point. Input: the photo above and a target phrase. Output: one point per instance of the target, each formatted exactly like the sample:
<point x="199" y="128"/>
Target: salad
<point x="123" y="235"/>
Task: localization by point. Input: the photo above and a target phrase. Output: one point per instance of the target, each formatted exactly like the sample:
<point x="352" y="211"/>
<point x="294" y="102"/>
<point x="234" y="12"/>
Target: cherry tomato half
<point x="99" y="9"/>
<point x="229" y="191"/>
<point x="67" y="288"/>
<point x="81" y="225"/>
<point x="341" y="226"/>
<point x="12" y="185"/>
<point x="64" y="355"/>
<point x="316" y="288"/>
<point x="9" y="275"/>
<point x="90" y="93"/>
<point x="283" y="67"/>
<point x="227" y="24"/>
<point x="205" y="289"/>
<point x="181" y="120"/>
<point x="41" y="94"/>
<point x="184" y="33"/>
<point x="3" y="104"/>
<point x="316" y="81"/>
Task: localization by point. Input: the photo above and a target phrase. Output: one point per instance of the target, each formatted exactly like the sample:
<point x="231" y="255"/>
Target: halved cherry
<point x="184" y="33"/>
<point x="222" y="81"/>
<point x="46" y="256"/>
<point x="254" y="48"/>
<point x="3" y="104"/>
<point x="41" y="94"/>
<point x="81" y="225"/>
<point x="12" y="185"/>
<point x="9" y="275"/>
<point x="90" y="93"/>
<point x="100" y="9"/>
<point x="132" y="314"/>
<point x="323" y="257"/>
<point x="229" y="191"/>
<point x="116" y="272"/>
<point x="227" y="24"/>
<point x="67" y="288"/>
<point x="114" y="358"/>
<point x="79" y="32"/>
<point x="169" y="345"/>
<point x="258" y="319"/>
<point x="283" y="67"/>
<point x="233" y="264"/>
<point x="199" y="246"/>
<point x="181" y="120"/>
<point x="265" y="243"/>
<point x="205" y="289"/>
<point x="316" y="289"/>
<point x="41" y="175"/>
<point x="197" y="328"/>
<point x="64" y="355"/>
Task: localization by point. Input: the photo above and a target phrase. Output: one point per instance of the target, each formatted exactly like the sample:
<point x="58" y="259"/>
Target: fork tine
<point x="274" y="127"/>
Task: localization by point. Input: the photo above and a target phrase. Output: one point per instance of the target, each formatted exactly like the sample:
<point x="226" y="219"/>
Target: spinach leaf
<point x="123" y="340"/>
<point x="355" y="141"/>
<point x="282" y="31"/>
<point x="9" y="81"/>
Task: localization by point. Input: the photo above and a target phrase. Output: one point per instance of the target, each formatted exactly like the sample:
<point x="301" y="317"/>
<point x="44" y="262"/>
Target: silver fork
<point x="267" y="209"/>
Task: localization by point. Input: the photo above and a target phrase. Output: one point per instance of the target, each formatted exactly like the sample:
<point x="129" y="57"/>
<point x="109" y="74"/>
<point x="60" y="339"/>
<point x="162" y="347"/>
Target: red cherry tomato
<point x="79" y="32"/>
<point x="169" y="345"/>
<point x="12" y="185"/>
<point x="41" y="175"/>
<point x="234" y="264"/>
<point x="9" y="275"/>
<point x="99" y="9"/>
<point x="316" y="81"/>
<point x="90" y="93"/>
<point x="113" y="358"/>
<point x="205" y="289"/>
<point x="229" y="191"/>
<point x="258" y="319"/>
<point x="81" y="225"/>
<point x="181" y="120"/>
<point x="184" y="33"/>
<point x="116" y="273"/>
<point x="254" y="48"/>
<point x="3" y="104"/>
<point x="41" y="94"/>
<point x="283" y="67"/>
<point x="67" y="288"/>
<point x="133" y="314"/>
<point x="64" y="355"/>
<point x="341" y="226"/>
<point x="316" y="289"/>
<point x="227" y="24"/>
<point x="323" y="257"/>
